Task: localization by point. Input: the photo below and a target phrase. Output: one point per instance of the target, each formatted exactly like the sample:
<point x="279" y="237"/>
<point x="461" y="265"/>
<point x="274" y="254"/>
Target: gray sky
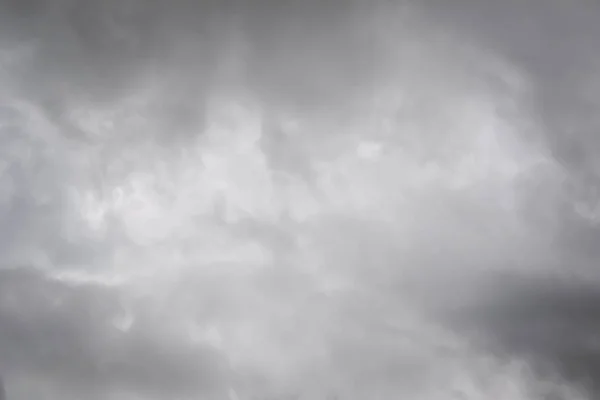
<point x="268" y="199"/>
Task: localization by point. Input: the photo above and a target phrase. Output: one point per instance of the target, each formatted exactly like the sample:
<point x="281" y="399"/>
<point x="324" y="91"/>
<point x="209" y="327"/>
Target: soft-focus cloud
<point x="238" y="200"/>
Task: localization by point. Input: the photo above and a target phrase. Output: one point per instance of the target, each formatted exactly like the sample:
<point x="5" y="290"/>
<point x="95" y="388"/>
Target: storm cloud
<point x="299" y="199"/>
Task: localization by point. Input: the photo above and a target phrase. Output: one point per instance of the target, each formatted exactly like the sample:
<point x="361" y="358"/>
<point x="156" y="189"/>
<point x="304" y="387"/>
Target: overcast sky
<point x="299" y="199"/>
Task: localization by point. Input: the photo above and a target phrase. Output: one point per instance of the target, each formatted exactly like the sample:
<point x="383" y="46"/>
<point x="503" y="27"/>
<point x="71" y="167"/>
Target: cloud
<point x="225" y="200"/>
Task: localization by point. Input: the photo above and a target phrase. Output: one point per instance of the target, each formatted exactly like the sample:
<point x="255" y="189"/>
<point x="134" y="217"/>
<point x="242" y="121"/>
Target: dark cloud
<point x="70" y="337"/>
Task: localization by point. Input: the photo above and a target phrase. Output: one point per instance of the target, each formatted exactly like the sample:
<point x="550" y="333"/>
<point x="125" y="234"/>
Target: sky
<point x="260" y="199"/>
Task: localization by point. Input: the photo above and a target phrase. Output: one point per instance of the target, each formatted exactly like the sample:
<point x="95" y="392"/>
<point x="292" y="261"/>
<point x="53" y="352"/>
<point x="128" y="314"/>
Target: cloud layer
<point x="235" y="200"/>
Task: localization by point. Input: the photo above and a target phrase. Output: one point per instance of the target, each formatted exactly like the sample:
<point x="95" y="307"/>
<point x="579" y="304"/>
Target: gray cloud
<point x="230" y="200"/>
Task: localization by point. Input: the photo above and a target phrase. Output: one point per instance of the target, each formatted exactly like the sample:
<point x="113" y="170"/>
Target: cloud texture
<point x="309" y="199"/>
